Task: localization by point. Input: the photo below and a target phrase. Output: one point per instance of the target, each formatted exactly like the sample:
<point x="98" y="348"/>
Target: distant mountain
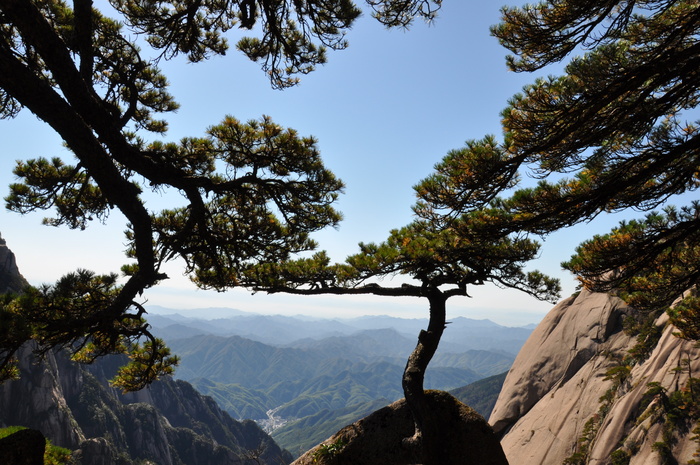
<point x="462" y="334"/>
<point x="237" y="360"/>
<point x="402" y="325"/>
<point x="270" y="329"/>
<point x="238" y="401"/>
<point x="316" y="373"/>
<point x="481" y="395"/>
<point x="236" y="366"/>
<point x="303" y="377"/>
<point x="386" y="342"/>
<point x="210" y="312"/>
<point x="317" y="383"/>
<point x="181" y="331"/>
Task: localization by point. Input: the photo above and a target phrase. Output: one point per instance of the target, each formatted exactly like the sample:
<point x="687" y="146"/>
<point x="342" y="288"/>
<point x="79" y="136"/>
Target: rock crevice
<point x="561" y="375"/>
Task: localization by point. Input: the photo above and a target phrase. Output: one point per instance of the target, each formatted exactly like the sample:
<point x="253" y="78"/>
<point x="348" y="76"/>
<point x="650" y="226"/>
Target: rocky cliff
<point x="574" y="396"/>
<point x="11" y="280"/>
<point x="168" y="423"/>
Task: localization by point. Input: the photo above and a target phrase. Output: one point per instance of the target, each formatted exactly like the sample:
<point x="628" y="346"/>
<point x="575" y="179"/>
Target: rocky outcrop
<point x="377" y="439"/>
<point x="37" y="400"/>
<point x="25" y="447"/>
<point x="11" y="280"/>
<point x="168" y="423"/>
<point x="567" y="396"/>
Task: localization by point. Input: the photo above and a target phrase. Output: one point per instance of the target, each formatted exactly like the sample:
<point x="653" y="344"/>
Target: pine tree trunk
<point x="426" y="438"/>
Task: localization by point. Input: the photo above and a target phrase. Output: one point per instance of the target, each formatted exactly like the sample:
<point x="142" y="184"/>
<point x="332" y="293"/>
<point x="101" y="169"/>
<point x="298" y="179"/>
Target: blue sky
<point x="384" y="111"/>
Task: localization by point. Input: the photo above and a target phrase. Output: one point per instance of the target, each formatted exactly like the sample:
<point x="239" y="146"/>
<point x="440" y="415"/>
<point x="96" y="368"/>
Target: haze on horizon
<point x="384" y="111"/>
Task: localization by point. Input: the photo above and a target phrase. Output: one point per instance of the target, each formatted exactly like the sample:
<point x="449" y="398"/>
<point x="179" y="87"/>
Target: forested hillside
<point x="169" y="423"/>
<point x="305" y="391"/>
<point x="482" y="395"/>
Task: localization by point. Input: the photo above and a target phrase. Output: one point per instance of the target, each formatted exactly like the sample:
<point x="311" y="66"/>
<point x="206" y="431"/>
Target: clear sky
<point x="384" y="111"/>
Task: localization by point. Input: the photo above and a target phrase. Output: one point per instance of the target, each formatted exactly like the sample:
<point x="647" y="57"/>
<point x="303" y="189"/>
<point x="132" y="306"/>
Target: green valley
<point x="301" y="391"/>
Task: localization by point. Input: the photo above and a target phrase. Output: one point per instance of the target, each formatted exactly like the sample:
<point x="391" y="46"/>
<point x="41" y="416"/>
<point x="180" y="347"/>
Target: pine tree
<point x="616" y="126"/>
<point x="444" y="256"/>
<point x="249" y="191"/>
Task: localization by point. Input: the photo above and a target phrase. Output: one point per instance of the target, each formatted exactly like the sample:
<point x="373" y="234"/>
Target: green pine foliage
<point x="678" y="411"/>
<point x="613" y="132"/>
<point x="244" y="192"/>
<point x="616" y="126"/>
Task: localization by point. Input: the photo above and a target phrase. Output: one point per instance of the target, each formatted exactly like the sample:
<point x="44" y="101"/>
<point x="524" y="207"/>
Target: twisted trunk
<point x="425" y="440"/>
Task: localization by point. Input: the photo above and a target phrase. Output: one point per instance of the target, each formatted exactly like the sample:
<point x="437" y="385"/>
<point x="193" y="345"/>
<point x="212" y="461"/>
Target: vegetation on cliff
<point x="610" y="134"/>
<point x="53" y="455"/>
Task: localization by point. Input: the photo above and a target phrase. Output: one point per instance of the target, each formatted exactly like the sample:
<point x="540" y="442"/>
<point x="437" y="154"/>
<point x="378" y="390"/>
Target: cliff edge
<point x="573" y="397"/>
<point x="11" y="280"/>
<point x="168" y="423"/>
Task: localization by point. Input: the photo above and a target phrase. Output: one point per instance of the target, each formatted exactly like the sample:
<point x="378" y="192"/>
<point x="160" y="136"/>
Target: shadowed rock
<point x="11" y="280"/>
<point x="25" y="447"/>
<point x="466" y="438"/>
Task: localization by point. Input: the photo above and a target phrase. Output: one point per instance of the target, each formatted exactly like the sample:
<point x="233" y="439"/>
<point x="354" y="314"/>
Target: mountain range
<point x="573" y="395"/>
<point x="462" y="333"/>
<point x="302" y="378"/>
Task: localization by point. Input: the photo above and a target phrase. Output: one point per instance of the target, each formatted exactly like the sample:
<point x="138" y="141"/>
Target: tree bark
<point x="426" y="437"/>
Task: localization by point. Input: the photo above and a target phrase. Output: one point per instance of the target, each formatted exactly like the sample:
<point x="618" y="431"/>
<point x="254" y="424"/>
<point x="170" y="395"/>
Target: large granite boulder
<point x="377" y="439"/>
<point x="25" y="447"/>
<point x="561" y="394"/>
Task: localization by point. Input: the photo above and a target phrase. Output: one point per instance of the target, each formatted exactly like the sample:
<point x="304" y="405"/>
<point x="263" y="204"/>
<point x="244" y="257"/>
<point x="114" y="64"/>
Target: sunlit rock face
<point x="562" y="392"/>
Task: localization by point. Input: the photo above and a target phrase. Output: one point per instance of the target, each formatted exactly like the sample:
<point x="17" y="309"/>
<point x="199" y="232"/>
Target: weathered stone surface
<point x="558" y="378"/>
<point x="25" y="447"/>
<point x="10" y="278"/>
<point x="570" y="335"/>
<point x="172" y="424"/>
<point x="95" y="451"/>
<point x="377" y="439"/>
<point x="36" y="400"/>
<point x="622" y="426"/>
